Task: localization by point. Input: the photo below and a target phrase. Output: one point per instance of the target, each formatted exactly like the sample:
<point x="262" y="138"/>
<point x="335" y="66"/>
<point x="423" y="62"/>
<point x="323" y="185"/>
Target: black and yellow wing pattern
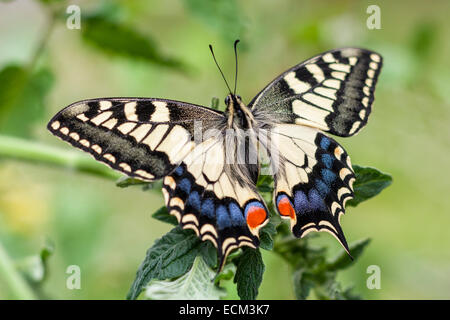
<point x="152" y="139"/>
<point x="313" y="179"/>
<point x="209" y="196"/>
<point x="142" y="138"/>
<point x="332" y="92"/>
<point x="205" y="186"/>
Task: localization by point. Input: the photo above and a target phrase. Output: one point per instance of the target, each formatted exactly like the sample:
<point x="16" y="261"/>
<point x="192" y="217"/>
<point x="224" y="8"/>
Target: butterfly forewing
<point x="143" y="138"/>
<point x="333" y="92"/>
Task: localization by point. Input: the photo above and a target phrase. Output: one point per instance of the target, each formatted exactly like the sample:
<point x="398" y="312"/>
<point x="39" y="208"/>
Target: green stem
<point x="20" y="149"/>
<point x="18" y="286"/>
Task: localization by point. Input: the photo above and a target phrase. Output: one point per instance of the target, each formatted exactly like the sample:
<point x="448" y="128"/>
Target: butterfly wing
<point x="154" y="138"/>
<point x="221" y="204"/>
<point x="142" y="138"/>
<point x="313" y="179"/>
<point x="332" y="91"/>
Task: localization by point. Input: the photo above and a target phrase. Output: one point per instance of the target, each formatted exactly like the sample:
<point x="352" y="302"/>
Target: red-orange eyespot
<point x="285" y="207"/>
<point x="256" y="214"/>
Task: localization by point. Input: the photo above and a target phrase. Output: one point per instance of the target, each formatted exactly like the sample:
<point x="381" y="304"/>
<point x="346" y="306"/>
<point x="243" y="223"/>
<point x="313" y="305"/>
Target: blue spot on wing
<point x="237" y="218"/>
<point x="316" y="201"/>
<point x="328" y="176"/>
<point x="305" y="204"/>
<point x="194" y="200"/>
<point x="322" y="188"/>
<point x="301" y="202"/>
<point x="325" y="143"/>
<point x="208" y="208"/>
<point x="327" y="160"/>
<point x="179" y="171"/>
<point x="185" y="185"/>
<point x="223" y="219"/>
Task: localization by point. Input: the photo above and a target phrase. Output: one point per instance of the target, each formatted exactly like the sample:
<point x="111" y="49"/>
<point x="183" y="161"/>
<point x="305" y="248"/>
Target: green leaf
<point x="227" y="273"/>
<point x="265" y="181"/>
<point x="194" y="285"/>
<point x="268" y="232"/>
<point x="208" y="253"/>
<point x="348" y="294"/>
<point x="249" y="273"/>
<point x="162" y="214"/>
<point x="222" y="16"/>
<point x="342" y="260"/>
<point x="303" y="283"/>
<point x="369" y="182"/>
<point x="22" y="98"/>
<point x="329" y="289"/>
<point x="116" y="38"/>
<point x="171" y="256"/>
<point x="125" y="181"/>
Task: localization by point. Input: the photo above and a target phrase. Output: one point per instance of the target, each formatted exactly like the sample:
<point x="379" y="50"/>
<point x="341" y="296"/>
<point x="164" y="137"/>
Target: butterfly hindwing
<point x="143" y="138"/>
<point x="205" y="195"/>
<point x="313" y="179"/>
<point x="333" y="91"/>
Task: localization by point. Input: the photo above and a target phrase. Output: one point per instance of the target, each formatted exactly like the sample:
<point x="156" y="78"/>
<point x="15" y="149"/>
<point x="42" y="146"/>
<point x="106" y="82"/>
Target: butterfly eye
<point x="239" y="97"/>
<point x="227" y="100"/>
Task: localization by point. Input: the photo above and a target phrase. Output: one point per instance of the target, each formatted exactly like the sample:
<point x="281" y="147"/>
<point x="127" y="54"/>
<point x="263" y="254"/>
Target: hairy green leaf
<point x="303" y="283"/>
<point x="196" y="284"/>
<point x="369" y="182"/>
<point x="171" y="256"/>
<point x="249" y="273"/>
<point x="329" y="288"/>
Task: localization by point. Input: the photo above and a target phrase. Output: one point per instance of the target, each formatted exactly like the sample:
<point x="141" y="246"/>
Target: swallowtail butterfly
<point x="209" y="184"/>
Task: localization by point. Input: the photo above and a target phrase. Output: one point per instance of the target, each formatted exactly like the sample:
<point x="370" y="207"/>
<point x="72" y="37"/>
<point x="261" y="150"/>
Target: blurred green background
<point x="160" y="49"/>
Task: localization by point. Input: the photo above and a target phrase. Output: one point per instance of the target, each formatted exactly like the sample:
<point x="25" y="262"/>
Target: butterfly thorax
<point x="238" y="114"/>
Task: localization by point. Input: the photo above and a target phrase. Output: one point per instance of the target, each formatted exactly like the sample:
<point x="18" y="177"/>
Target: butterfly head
<point x="238" y="113"/>
<point x="232" y="99"/>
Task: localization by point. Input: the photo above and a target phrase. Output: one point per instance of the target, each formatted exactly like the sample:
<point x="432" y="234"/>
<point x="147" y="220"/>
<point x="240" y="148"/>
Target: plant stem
<point x="20" y="149"/>
<point x="18" y="286"/>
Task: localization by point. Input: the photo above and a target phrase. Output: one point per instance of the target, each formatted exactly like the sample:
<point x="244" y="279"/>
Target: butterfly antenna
<point x="214" y="57"/>
<point x="236" y="59"/>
